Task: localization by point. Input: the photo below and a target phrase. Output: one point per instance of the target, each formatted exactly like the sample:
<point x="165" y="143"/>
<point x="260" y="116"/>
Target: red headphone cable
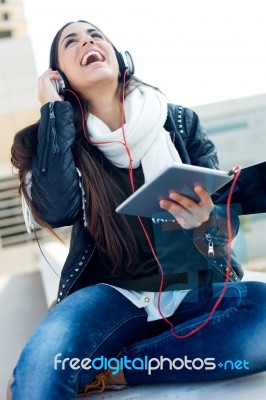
<point x="235" y="170"/>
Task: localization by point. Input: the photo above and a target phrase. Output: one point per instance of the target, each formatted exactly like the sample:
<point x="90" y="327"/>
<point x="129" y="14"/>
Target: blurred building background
<point x="22" y="303"/>
<point x="18" y="101"/>
<point x="237" y="127"/>
<point x="18" y="108"/>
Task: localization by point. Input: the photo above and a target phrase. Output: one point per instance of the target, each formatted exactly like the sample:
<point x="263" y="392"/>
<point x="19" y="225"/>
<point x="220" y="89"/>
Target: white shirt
<point x="169" y="302"/>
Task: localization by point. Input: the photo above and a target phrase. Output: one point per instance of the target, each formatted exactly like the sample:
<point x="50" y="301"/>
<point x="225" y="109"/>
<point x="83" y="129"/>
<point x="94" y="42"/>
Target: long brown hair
<point x="111" y="232"/>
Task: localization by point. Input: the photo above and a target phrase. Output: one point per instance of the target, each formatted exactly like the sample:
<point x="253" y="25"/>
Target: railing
<point x="12" y="226"/>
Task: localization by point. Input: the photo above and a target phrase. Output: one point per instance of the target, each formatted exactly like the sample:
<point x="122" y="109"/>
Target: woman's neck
<point x="107" y="107"/>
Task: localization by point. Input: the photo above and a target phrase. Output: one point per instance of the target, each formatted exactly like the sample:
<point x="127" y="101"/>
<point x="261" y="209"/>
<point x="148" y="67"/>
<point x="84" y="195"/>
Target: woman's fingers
<point x="188" y="213"/>
<point x="47" y="87"/>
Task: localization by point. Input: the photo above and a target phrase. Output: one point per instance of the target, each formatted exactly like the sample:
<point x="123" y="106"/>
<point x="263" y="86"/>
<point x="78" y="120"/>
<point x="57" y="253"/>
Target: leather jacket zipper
<point x="209" y="239"/>
<point x="52" y="131"/>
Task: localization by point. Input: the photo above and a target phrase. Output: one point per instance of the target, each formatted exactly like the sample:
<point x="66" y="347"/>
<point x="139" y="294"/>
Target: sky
<point x="196" y="51"/>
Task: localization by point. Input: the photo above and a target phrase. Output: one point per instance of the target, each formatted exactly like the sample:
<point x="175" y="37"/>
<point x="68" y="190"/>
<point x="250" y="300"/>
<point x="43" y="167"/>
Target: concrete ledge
<point x="247" y="388"/>
<point x="55" y="254"/>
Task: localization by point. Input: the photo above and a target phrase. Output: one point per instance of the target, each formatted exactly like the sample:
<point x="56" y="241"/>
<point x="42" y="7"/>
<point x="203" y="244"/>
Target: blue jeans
<point x="98" y="322"/>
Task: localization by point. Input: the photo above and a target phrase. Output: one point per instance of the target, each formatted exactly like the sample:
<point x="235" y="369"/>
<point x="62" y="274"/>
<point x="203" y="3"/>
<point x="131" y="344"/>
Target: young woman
<point x="127" y="279"/>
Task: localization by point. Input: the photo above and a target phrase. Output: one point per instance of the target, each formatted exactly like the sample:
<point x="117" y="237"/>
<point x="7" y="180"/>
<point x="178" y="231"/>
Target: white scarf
<point x="149" y="143"/>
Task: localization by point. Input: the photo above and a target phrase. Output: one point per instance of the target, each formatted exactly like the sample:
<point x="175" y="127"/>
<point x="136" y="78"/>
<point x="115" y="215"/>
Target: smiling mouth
<point x="90" y="58"/>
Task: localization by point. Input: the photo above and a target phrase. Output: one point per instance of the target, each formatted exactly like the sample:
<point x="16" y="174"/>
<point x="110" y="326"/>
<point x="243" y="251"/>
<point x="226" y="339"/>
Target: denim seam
<point x="241" y="297"/>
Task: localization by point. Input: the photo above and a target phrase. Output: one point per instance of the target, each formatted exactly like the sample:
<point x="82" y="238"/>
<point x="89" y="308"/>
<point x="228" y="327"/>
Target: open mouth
<point x="90" y="58"/>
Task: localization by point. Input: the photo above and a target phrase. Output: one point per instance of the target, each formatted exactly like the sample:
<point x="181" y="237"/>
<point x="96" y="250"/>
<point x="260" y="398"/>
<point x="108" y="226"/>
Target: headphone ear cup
<point x="63" y="83"/>
<point x="125" y="62"/>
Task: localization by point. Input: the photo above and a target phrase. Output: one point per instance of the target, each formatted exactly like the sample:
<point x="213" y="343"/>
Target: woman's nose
<point x="88" y="40"/>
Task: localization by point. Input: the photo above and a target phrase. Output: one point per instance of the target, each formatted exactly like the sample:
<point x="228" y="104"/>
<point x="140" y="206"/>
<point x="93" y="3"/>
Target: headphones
<point x="125" y="62"/>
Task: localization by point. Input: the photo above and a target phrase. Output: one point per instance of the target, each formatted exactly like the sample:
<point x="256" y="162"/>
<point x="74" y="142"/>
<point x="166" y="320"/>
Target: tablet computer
<point x="180" y="178"/>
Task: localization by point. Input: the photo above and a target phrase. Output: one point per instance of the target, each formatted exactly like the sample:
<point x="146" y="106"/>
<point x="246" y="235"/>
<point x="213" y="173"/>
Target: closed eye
<point x="68" y="42"/>
<point x="73" y="37"/>
<point x="97" y="35"/>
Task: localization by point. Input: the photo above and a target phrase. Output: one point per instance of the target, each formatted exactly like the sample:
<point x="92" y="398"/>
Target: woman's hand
<point x="47" y="89"/>
<point x="187" y="212"/>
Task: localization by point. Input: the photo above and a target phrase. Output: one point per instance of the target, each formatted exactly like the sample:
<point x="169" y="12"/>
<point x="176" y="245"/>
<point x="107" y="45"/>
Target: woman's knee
<point x="75" y="326"/>
<point x="255" y="293"/>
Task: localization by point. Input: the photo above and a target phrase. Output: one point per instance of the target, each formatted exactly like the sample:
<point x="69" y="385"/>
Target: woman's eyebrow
<point x="73" y="34"/>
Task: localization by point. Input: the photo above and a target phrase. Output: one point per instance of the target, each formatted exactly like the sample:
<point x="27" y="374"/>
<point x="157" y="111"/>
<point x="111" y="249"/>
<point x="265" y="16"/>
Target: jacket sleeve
<point x="202" y="152"/>
<point x="200" y="148"/>
<point x="250" y="190"/>
<point x="55" y="189"/>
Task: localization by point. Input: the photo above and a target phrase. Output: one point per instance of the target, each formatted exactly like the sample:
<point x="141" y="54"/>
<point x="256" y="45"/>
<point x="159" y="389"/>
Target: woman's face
<point x="86" y="58"/>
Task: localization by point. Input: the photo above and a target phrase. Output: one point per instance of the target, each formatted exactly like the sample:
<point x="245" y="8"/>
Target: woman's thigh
<point x="231" y="344"/>
<point x="93" y="322"/>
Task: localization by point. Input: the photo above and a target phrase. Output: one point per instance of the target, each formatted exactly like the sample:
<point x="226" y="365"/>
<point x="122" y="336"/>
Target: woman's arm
<point x="55" y="187"/>
<point x="200" y="151"/>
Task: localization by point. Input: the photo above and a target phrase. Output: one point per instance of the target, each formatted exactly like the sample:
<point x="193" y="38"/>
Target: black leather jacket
<point x="57" y="194"/>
